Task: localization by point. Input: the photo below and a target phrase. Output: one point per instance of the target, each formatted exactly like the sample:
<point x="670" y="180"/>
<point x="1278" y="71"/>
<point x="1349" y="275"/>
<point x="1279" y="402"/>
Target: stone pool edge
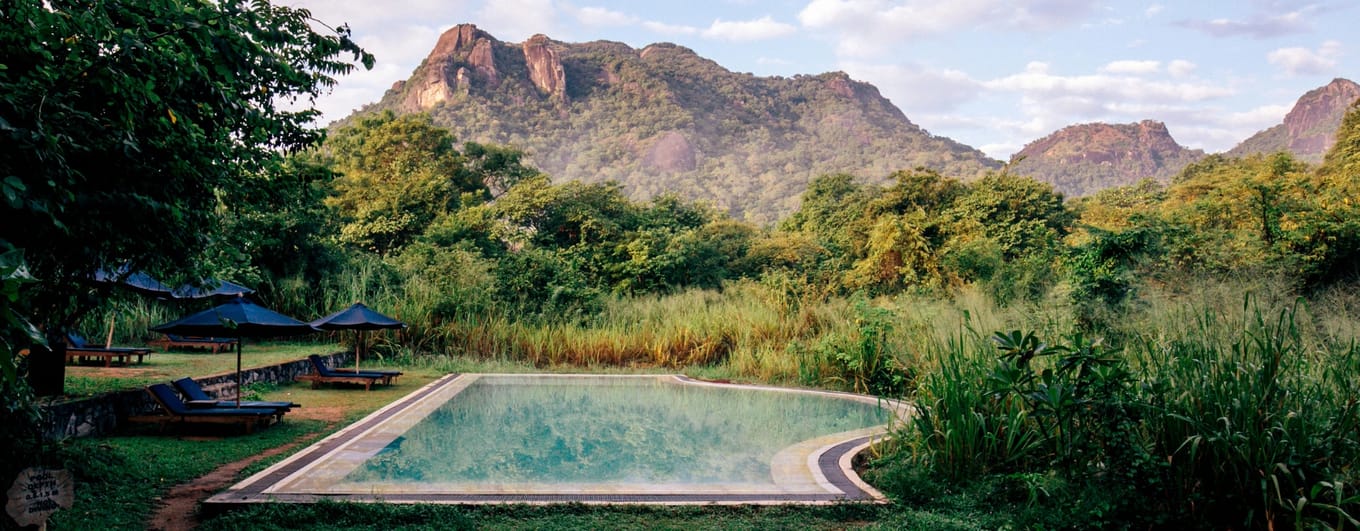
<point x="833" y="464"/>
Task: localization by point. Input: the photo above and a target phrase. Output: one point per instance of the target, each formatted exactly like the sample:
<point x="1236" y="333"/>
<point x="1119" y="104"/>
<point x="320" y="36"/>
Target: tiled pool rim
<point x="833" y="470"/>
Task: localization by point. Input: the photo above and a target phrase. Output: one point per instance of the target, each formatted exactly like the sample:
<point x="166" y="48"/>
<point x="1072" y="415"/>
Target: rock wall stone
<point x="102" y="414"/>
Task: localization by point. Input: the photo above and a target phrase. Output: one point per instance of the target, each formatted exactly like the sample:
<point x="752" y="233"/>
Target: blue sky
<point x="992" y="74"/>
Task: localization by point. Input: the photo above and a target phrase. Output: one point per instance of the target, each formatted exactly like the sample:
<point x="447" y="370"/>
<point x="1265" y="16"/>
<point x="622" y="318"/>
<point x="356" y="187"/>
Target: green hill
<point x="1084" y="159"/>
<point x="663" y="119"/>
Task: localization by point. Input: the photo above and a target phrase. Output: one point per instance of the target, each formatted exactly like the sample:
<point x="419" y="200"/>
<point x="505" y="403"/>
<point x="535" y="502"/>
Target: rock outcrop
<point x="463" y="55"/>
<point x="1084" y="159"/>
<point x="671" y="153"/>
<point x="545" y="68"/>
<point x="1309" y="130"/>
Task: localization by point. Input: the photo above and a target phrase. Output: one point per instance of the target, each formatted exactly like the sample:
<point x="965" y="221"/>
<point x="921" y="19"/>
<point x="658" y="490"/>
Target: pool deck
<point x="817" y="471"/>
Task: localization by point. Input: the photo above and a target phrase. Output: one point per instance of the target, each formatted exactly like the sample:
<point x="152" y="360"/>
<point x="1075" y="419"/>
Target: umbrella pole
<point x="358" y="344"/>
<point x="238" y="372"/>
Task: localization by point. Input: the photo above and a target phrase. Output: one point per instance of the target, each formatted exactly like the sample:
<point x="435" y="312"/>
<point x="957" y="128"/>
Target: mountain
<point x="663" y="119"/>
<point x="1084" y="159"/>
<point x="1309" y="130"/>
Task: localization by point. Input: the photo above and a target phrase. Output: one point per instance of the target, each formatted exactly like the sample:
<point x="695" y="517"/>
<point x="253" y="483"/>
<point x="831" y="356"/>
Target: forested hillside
<point x="665" y="120"/>
<point x="1310" y="128"/>
<point x="1083" y="159"/>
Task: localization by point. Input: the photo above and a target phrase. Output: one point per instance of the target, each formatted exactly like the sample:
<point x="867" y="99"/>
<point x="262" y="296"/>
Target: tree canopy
<point x="127" y="123"/>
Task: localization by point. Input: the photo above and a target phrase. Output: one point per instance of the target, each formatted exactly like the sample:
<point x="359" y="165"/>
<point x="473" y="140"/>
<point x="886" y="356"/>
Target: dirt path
<point x="178" y="509"/>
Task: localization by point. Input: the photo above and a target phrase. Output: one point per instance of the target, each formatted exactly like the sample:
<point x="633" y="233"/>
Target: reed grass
<point x="1238" y="414"/>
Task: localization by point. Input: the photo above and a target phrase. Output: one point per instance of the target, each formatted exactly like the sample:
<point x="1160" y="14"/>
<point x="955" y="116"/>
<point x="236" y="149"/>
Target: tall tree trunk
<point x="47" y="366"/>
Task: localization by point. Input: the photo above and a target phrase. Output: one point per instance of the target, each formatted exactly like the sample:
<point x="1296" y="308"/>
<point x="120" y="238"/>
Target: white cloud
<point x="669" y="29"/>
<point x="918" y="89"/>
<point x="1153" y="10"/>
<point x="1302" y="61"/>
<point x="369" y="16"/>
<point x="1132" y="67"/>
<point x="1262" y="25"/>
<point x="1180" y="68"/>
<point x="750" y="30"/>
<point x="863" y="27"/>
<point x="599" y="16"/>
<point x="517" y="20"/>
<point x="1037" y="82"/>
<point x="1117" y="93"/>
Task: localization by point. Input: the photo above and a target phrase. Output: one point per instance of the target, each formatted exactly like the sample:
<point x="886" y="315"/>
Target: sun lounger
<point x="323" y="374"/>
<point x="215" y="344"/>
<point x="385" y="372"/>
<point x="173" y="409"/>
<point x="78" y="351"/>
<point x="199" y="399"/>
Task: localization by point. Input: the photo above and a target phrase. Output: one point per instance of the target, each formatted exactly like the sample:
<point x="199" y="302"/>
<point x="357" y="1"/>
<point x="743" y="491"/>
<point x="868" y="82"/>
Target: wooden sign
<point x="37" y="493"/>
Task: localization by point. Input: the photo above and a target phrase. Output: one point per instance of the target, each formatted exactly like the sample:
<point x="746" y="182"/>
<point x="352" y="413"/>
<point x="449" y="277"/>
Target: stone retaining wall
<point x="102" y="414"/>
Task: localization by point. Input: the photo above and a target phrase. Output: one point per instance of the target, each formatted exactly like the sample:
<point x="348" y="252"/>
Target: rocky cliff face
<point x="466" y="58"/>
<point x="461" y="53"/>
<point x="545" y="69"/>
<point x="1084" y="159"/>
<point x="1309" y="130"/>
<point x="665" y="120"/>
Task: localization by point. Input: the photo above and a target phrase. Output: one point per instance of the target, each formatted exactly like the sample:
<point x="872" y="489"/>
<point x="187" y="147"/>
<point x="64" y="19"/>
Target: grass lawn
<point x="160" y="366"/>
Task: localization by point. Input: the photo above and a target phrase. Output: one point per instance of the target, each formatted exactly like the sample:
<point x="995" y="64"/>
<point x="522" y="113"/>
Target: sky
<point x="993" y="74"/>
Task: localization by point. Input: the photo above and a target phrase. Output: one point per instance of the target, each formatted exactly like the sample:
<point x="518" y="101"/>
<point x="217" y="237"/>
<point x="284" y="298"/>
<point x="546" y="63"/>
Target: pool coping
<point x="832" y="466"/>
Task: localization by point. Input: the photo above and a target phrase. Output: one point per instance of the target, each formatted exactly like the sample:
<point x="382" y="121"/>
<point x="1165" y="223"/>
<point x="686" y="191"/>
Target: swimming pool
<point x="487" y="438"/>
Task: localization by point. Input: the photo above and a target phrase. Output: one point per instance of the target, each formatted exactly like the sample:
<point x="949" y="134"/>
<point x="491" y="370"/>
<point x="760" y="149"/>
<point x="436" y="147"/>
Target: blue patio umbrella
<point x="239" y="318"/>
<point x="136" y="281"/>
<point x="146" y="284"/>
<point x="211" y="288"/>
<point x="359" y="318"/>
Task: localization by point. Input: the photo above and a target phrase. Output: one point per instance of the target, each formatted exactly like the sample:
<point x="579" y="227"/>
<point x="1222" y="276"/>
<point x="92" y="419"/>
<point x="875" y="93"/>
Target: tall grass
<point x="129" y="318"/>
<point x="1230" y="416"/>
<point x="1253" y="416"/>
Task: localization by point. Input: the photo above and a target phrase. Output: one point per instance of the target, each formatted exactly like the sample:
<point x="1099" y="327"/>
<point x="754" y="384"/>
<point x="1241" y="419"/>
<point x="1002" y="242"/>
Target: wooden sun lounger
<point x="215" y="344"/>
<point x="323" y="374"/>
<point x="173" y="410"/>
<point x="365" y="380"/>
<point x="198" y="399"/>
<point x="123" y="356"/>
<point x="78" y="351"/>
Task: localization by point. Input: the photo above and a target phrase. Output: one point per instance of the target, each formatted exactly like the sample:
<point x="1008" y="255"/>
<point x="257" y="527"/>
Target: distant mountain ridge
<point x="1084" y="159"/>
<point x="1309" y="130"/>
<point x="663" y="119"/>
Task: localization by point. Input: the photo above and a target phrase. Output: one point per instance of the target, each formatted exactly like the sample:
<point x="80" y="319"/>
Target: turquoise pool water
<point x="544" y="430"/>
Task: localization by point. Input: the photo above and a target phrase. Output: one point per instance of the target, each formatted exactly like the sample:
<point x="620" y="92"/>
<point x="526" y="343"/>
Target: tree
<point x="398" y="173"/>
<point x="1020" y="214"/>
<point x="1327" y="238"/>
<point x="498" y="168"/>
<point x="896" y="256"/>
<point x="277" y="226"/>
<point x="123" y="122"/>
